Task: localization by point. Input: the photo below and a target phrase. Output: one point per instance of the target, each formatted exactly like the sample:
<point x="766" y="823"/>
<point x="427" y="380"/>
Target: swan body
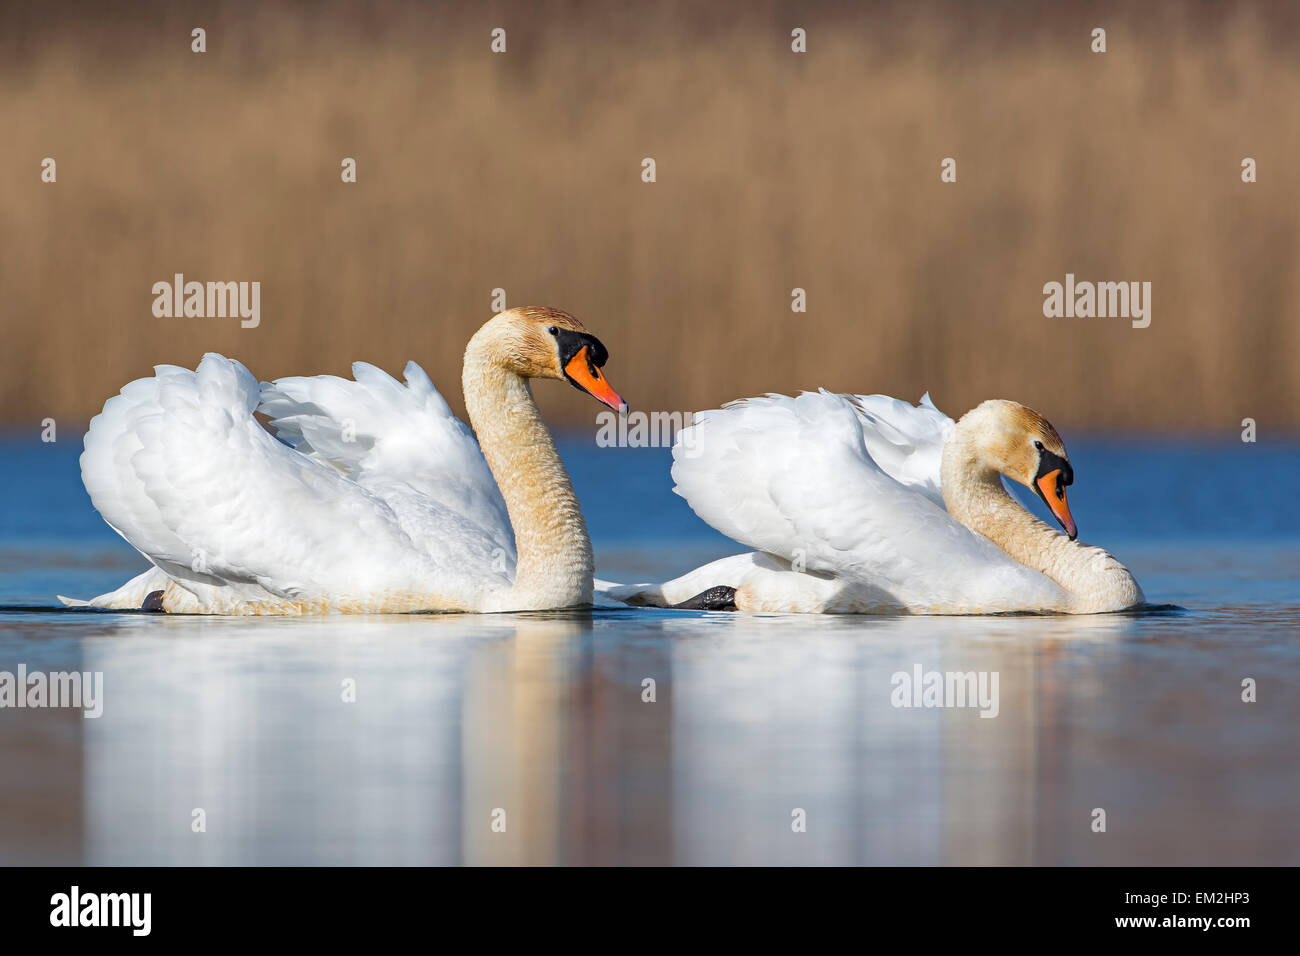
<point x="370" y="497"/>
<point x="867" y="504"/>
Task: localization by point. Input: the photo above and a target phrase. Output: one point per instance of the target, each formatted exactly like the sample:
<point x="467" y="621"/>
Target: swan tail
<point x="129" y="596"/>
<point x="703" y="586"/>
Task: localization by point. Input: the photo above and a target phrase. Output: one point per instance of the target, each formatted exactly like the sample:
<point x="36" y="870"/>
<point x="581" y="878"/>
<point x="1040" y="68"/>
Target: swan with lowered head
<point x="371" y="496"/>
<point x="863" y="503"/>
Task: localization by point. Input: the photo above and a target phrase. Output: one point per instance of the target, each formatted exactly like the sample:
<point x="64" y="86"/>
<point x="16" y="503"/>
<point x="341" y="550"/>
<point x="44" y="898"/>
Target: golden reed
<point x="775" y="170"/>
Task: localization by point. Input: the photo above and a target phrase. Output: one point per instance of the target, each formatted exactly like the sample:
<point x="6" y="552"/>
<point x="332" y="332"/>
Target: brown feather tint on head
<point x="1040" y="428"/>
<point x="557" y="317"/>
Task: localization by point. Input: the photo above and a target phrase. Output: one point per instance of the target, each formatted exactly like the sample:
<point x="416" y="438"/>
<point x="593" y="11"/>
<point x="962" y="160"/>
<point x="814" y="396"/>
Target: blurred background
<point x="775" y="170"/>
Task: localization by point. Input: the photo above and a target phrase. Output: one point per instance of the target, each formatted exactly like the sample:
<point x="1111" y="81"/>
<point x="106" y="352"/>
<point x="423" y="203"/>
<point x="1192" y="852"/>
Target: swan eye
<point x="1038" y="445"/>
<point x="553" y="330"/>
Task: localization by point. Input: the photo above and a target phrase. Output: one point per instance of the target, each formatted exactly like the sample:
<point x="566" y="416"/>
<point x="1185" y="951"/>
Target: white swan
<point x="373" y="498"/>
<point x="863" y="503"/>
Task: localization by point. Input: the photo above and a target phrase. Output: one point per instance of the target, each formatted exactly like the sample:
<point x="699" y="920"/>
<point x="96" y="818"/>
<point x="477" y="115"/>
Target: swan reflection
<point x="589" y="737"/>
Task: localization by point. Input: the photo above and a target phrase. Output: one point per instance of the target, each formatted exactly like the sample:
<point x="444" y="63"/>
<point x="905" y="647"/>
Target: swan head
<point x="539" y="342"/>
<point x="1023" y="446"/>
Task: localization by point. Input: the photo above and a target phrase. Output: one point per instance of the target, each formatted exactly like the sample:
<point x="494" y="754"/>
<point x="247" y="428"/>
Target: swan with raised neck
<point x="554" y="566"/>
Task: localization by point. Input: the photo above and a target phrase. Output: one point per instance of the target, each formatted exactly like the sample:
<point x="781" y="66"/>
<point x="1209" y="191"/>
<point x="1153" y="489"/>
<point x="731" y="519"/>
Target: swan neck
<point x="979" y="500"/>
<point x="974" y="494"/>
<point x="554" y="567"/>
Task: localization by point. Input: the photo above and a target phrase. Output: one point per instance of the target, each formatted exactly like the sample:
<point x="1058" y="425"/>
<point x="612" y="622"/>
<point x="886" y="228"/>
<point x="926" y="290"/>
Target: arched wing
<point x="178" y="465"/>
<point x="401" y="441"/>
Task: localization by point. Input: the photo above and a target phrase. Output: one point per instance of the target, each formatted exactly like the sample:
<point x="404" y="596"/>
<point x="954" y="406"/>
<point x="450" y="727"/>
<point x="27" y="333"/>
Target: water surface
<point x="540" y="719"/>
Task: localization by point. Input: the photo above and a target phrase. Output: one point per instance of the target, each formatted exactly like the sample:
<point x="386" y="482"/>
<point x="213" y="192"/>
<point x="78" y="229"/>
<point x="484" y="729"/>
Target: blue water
<point x="539" y="719"/>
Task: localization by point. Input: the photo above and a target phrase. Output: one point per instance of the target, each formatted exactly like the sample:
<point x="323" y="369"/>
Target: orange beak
<point x="588" y="378"/>
<point x="1052" y="490"/>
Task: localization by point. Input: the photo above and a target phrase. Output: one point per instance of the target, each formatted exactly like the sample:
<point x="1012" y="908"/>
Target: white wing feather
<point x="905" y="440"/>
<point x="178" y="465"/>
<point x="400" y="441"/>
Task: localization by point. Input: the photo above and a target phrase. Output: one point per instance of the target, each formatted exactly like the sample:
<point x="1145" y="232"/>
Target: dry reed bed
<point x="774" y="171"/>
